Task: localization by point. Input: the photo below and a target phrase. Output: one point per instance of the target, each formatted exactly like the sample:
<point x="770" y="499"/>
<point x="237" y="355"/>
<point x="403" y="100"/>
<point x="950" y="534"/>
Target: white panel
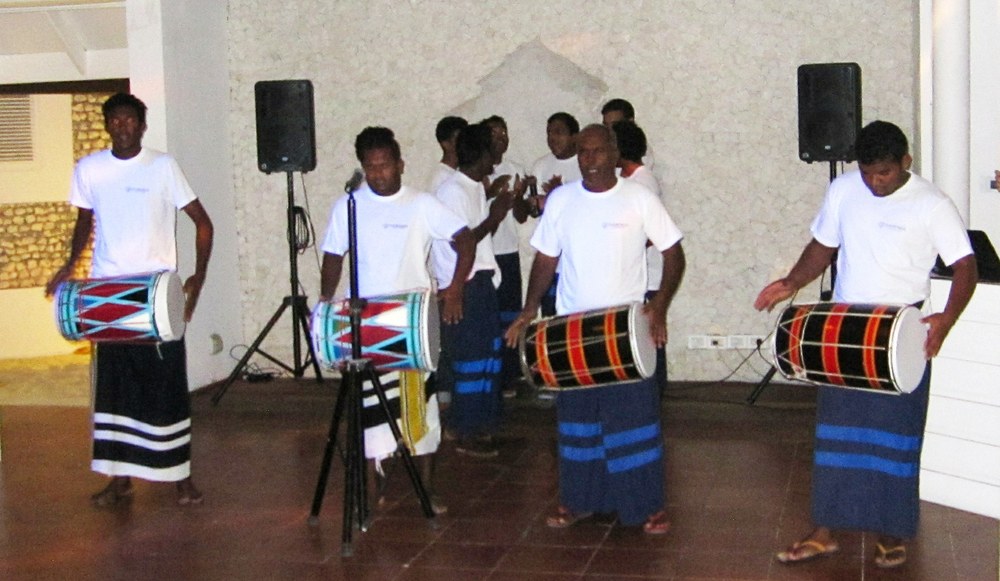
<point x="962" y="494"/>
<point x="973" y="341"/>
<point x="969" y="460"/>
<point x="984" y="306"/>
<point x="965" y="420"/>
<point x="957" y="379"/>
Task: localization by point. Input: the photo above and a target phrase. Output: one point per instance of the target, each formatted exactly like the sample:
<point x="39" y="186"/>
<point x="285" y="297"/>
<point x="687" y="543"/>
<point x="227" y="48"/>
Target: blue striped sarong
<point x="611" y="450"/>
<point x="473" y="347"/>
<point x="866" y="467"/>
<point x="509" y="305"/>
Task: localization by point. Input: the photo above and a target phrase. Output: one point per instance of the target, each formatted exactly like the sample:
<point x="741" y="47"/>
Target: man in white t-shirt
<point x="471" y="347"/>
<point x="610" y="442"/>
<point x="617" y="110"/>
<point x="886" y="227"/>
<point x="506" y="248"/>
<point x="631" y="148"/>
<point x="142" y="410"/>
<point x="446" y="133"/>
<point x="395" y="227"/>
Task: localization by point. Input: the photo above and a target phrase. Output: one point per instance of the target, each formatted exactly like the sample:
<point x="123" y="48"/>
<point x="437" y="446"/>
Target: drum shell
<point x="877" y="348"/>
<point x="398" y="332"/>
<point x="139" y="308"/>
<point x="588" y="349"/>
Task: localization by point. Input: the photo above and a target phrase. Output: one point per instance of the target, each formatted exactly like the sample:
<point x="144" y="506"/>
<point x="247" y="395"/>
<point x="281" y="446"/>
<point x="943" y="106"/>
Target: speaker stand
<point x="300" y="317"/>
<point x="823" y="296"/>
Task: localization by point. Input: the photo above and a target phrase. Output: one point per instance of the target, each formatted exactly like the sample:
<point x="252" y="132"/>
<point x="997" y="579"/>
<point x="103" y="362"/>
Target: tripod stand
<point x="824" y="296"/>
<point x="356" y="370"/>
<point x="300" y="317"/>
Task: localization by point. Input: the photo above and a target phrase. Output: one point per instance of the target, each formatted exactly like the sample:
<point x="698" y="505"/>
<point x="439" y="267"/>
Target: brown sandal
<point x="806" y="550"/>
<point x="563" y="518"/>
<point x="656" y="524"/>
<point x="890" y="557"/>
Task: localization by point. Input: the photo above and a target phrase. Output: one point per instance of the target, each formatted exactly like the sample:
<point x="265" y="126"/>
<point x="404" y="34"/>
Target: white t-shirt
<point x="600" y="239"/>
<point x="394" y="237"/>
<point x="135" y="203"/>
<point x="549" y="165"/>
<point x="441" y="173"/>
<point x="888" y="245"/>
<point x="505" y="239"/>
<point x="654" y="258"/>
<point x="466" y="198"/>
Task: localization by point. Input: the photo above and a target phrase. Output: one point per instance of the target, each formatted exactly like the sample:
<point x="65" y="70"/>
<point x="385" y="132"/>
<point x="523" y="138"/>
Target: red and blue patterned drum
<point x="588" y="349"/>
<point x="398" y="331"/>
<point x="139" y="308"/>
<point x="870" y="347"/>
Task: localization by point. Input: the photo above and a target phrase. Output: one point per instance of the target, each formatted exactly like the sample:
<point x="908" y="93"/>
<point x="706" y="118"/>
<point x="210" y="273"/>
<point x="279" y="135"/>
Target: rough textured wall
<point x="714" y="85"/>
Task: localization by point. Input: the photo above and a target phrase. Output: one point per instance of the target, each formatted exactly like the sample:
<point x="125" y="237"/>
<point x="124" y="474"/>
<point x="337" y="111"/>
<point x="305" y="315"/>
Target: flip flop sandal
<point x="888" y="558"/>
<point x="806" y="551"/>
<point x="656" y="524"/>
<point x="563" y="518"/>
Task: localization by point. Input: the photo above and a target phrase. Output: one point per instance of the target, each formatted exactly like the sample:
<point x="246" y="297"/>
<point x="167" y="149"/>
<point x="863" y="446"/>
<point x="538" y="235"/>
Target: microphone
<point x="356" y="178"/>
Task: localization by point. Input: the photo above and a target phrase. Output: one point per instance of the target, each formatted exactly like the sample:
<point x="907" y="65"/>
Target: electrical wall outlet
<point x="745" y="341"/>
<point x="708" y="342"/>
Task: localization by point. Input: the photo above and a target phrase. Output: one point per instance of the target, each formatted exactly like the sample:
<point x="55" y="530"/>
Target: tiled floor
<point x="737" y="487"/>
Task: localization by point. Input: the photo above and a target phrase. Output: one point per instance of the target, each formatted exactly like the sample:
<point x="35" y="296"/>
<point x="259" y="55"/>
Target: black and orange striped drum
<point x="861" y="346"/>
<point x="588" y="349"/>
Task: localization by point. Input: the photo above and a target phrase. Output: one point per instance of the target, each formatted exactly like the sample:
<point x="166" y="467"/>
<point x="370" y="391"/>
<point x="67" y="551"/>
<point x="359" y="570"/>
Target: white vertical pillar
<point x="144" y="27"/>
<point x="950" y="100"/>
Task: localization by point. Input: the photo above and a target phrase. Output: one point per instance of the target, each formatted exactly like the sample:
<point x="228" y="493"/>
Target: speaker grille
<point x="829" y="111"/>
<point x="286" y="133"/>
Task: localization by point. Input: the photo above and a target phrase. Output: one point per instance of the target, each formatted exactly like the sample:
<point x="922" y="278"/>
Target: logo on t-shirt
<point x="614" y="225"/>
<point x="888" y="226"/>
<point x="394" y="226"/>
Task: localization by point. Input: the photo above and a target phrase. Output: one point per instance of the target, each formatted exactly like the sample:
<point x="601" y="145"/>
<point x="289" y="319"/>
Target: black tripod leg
<point x="246" y="356"/>
<point x="411" y="468"/>
<point x="331" y="441"/>
<point x="761" y="385"/>
<point x="309" y="344"/>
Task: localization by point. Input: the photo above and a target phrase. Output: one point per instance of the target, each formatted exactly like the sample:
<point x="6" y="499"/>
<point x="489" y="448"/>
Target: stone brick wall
<point x="34" y="237"/>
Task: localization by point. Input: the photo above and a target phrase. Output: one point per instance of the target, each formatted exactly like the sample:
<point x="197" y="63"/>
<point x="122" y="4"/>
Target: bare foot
<point x="117" y="490"/>
<point x="187" y="493"/>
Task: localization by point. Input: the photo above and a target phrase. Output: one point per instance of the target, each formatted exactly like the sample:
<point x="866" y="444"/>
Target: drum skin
<point x="139" y="308"/>
<point x="588" y="349"/>
<point x="875" y="348"/>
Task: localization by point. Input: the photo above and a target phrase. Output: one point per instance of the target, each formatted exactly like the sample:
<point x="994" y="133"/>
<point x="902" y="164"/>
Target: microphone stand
<point x="354" y="372"/>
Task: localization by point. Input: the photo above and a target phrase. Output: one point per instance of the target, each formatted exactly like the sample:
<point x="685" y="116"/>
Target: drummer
<point x="886" y="226"/>
<point x="142" y="410"/>
<point x="610" y="443"/>
<point x="395" y="227"/>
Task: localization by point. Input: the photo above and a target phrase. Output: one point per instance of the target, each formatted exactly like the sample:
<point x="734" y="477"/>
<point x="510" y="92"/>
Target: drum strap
<point x="413" y="407"/>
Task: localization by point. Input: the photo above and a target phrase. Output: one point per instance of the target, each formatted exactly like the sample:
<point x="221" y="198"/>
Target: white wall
<point x="714" y="85"/>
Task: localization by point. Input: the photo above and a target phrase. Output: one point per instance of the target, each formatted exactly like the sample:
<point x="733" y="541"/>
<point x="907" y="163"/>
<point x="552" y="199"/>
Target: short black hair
<point x="376" y="138"/>
<point x="124" y="100"/>
<point x="566" y="119"/>
<point x="881" y="141"/>
<point x="447" y="127"/>
<point x="626" y="108"/>
<point x="631" y="140"/>
<point x="473" y="142"/>
<point x="494" y="120"/>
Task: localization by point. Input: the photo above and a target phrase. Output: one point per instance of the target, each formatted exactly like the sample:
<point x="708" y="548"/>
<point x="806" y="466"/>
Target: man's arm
<point x="204" y="235"/>
<point x="543" y="270"/>
<point x="503" y="199"/>
<point x="464" y="245"/>
<point x="965" y="275"/>
<point x="81" y="235"/>
<point x="329" y="275"/>
<point x="813" y="261"/>
<point x="674" y="264"/>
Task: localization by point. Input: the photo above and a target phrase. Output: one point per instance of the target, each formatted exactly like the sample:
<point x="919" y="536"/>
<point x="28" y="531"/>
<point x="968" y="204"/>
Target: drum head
<point x="168" y="306"/>
<point x="643" y="346"/>
<point x="906" y="349"/>
<point x="430" y="331"/>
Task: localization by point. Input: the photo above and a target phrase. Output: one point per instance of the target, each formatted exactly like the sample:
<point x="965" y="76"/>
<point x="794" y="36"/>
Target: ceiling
<point x="74" y="28"/>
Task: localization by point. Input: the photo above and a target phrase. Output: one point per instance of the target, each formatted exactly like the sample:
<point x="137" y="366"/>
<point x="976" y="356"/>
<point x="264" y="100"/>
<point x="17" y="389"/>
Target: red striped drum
<point x="861" y="346"/>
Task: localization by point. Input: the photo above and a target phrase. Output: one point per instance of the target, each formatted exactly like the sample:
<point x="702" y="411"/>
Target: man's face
<point x="598" y="157"/>
<point x="383" y="171"/>
<point x="126" y="131"/>
<point x="883" y="177"/>
<point x="499" y="141"/>
<point x="612" y="117"/>
<point x="561" y="141"/>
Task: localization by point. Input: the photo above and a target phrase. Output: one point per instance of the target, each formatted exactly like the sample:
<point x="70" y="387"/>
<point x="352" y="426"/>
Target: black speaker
<point x="829" y="111"/>
<point x="286" y="133"/>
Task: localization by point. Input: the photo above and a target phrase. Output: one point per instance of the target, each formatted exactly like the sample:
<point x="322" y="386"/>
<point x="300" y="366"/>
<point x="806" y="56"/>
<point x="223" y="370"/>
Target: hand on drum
<point x="451" y="305"/>
<point x="58" y="278"/>
<point x="773" y="294"/>
<point x="192" y="290"/>
<point x="513" y="332"/>
<point x="938" y="326"/>
<point x="657" y="323"/>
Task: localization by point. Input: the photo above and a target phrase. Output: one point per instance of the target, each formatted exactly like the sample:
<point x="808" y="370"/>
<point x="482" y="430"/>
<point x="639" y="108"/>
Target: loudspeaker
<point x="829" y="111"/>
<point x="286" y="133"/>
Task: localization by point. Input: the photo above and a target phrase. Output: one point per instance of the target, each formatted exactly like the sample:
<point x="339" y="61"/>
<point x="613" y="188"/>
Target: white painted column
<point x="144" y="27"/>
<point x="950" y="100"/>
